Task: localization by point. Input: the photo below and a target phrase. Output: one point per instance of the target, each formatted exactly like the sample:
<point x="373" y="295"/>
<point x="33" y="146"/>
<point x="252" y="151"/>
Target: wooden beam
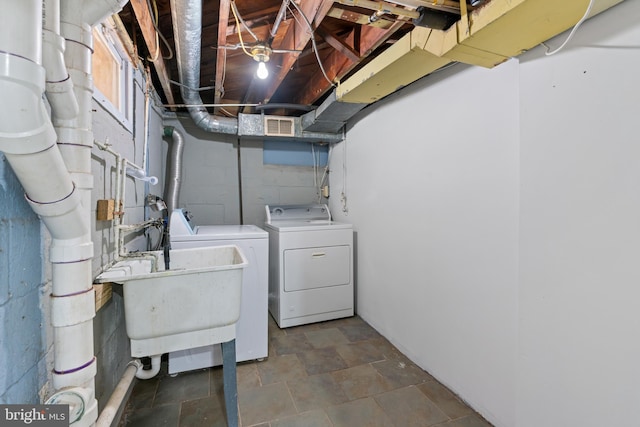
<point x="145" y="21"/>
<point x="357" y="18"/>
<point x="221" y="57"/>
<point x="338" y="44"/>
<point x="337" y="65"/>
<point x="296" y="38"/>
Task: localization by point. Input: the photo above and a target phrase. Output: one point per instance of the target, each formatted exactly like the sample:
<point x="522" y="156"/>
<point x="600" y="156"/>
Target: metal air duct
<point x="174" y="168"/>
<point x="187" y="30"/>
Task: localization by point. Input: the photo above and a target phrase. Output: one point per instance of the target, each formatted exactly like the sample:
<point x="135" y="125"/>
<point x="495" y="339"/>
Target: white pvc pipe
<point x="29" y="143"/>
<point x="18" y="23"/>
<point x="61" y="199"/>
<point x="155" y="368"/>
<point x="119" y="394"/>
<point x="59" y="84"/>
<point x="91" y="12"/>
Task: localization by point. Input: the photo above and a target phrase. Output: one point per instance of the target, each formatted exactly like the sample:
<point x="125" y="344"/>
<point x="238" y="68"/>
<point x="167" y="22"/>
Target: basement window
<point x="112" y="76"/>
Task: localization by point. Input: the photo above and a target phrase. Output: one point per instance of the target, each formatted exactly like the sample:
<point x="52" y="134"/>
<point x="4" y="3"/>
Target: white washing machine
<point x="310" y="265"/>
<point x="251" y="329"/>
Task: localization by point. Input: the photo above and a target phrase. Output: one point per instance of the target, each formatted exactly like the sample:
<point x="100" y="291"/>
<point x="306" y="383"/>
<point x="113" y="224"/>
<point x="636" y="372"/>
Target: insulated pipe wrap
<point x="187" y="30"/>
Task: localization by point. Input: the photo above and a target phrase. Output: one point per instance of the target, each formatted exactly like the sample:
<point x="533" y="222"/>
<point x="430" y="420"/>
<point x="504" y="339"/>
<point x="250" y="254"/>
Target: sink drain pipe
<point x="135" y="369"/>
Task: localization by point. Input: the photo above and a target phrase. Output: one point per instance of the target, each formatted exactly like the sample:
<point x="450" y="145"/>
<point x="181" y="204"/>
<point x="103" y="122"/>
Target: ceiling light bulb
<point x="262" y="72"/>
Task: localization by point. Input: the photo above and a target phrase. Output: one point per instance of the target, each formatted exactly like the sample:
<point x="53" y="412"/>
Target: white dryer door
<point x="319" y="267"/>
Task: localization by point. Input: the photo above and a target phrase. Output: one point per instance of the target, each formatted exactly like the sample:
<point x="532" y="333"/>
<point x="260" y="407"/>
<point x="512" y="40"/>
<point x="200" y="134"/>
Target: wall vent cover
<point x="278" y="126"/>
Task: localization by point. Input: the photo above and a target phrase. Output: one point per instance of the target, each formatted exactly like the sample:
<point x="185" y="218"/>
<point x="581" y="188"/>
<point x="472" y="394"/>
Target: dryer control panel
<point x="297" y="213"/>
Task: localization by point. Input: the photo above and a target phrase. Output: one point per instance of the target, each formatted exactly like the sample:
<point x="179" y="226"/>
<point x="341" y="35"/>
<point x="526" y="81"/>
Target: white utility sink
<point x="195" y="303"/>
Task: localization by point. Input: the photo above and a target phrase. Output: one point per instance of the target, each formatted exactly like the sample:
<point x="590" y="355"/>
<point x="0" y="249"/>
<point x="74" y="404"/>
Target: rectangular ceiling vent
<point x="278" y="126"/>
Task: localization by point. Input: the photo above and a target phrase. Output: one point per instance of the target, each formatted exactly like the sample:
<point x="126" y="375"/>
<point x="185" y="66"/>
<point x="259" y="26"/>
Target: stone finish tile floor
<point x="339" y="373"/>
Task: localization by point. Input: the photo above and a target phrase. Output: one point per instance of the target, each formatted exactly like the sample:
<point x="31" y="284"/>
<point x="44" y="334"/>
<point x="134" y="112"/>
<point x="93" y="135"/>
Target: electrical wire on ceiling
<point x="234" y="10"/>
<point x="575" y="27"/>
<point x="238" y="17"/>
<point x="313" y="41"/>
<point x="159" y="35"/>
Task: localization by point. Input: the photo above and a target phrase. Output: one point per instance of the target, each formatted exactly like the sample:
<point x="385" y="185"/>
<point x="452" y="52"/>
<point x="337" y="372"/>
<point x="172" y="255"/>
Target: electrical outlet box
<point x="105" y="210"/>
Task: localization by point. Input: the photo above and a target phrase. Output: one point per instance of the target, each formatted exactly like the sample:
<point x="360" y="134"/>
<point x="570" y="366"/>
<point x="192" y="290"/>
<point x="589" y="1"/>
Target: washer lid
<point x="180" y="230"/>
<point x="228" y="232"/>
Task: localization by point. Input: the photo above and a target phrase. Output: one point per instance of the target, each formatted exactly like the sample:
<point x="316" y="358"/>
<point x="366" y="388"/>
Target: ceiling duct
<point x="187" y="30"/>
<point x="331" y="116"/>
<point x="282" y="128"/>
<point x="486" y="37"/>
<point x="187" y="25"/>
<point x="436" y="19"/>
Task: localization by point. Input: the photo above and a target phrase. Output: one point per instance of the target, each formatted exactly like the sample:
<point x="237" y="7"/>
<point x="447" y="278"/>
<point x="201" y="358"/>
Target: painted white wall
<point x="580" y="228"/>
<point x="432" y="180"/>
<point x="496" y="214"/>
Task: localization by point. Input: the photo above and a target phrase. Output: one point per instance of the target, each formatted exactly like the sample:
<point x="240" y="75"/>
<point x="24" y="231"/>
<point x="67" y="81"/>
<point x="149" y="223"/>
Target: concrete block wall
<point x="211" y="185"/>
<point x="22" y="344"/>
<point x="111" y="343"/>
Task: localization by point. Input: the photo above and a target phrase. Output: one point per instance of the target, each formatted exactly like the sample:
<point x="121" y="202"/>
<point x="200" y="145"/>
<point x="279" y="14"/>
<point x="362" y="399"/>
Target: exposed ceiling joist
<point x="296" y="38"/>
<point x="337" y="65"/>
<point x="357" y="18"/>
<point x="338" y="44"/>
<point x="221" y="57"/>
<point x="145" y="21"/>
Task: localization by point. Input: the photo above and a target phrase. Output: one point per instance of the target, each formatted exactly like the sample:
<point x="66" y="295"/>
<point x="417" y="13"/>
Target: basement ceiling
<point x="306" y="54"/>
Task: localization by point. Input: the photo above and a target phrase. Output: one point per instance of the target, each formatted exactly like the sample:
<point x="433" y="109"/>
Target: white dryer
<point x="310" y="265"/>
<point x="252" y="327"/>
